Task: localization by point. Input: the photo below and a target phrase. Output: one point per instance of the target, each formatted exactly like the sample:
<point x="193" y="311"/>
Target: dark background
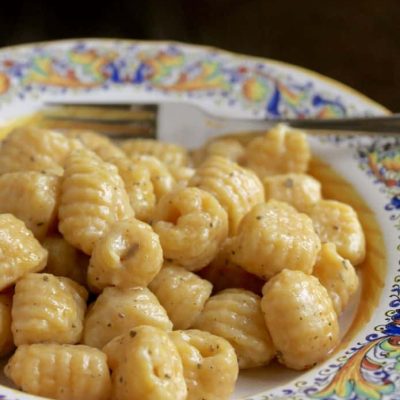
<point x="354" y="41"/>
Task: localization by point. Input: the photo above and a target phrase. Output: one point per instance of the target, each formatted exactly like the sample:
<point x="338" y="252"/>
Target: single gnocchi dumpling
<point x="302" y="191"/>
<point x="182" y="294"/>
<point x="6" y="337"/>
<point x="33" y="149"/>
<point x="209" y="362"/>
<point x="191" y="225"/>
<point x="116" y="311"/>
<point x="281" y="150"/>
<point x="33" y="198"/>
<point x="225" y="274"/>
<point x="138" y="185"/>
<point x="169" y="153"/>
<point x="337" y="275"/>
<point x="145" y="366"/>
<point x="99" y="144"/>
<point x="62" y="372"/>
<point x="301" y="319"/>
<point x="93" y="197"/>
<point x="274" y="236"/>
<point x="47" y="308"/>
<point x="235" y="315"/>
<point x="129" y="254"/>
<point x="236" y="188"/>
<point x="160" y="176"/>
<point x="20" y="252"/>
<point x="338" y="223"/>
<point x="65" y="260"/>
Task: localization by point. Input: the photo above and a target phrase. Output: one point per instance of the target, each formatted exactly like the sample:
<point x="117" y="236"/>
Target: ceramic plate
<point x="360" y="170"/>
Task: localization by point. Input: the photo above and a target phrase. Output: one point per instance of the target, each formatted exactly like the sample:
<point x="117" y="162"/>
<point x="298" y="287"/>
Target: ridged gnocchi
<point x="145" y="366"/>
<point x="62" y="372"/>
<point x="182" y="294"/>
<point x="337" y="275"/>
<point x="338" y="223"/>
<point x="32" y="197"/>
<point x="236" y="188"/>
<point x="235" y="315"/>
<point x="47" y="308"/>
<point x="302" y="191"/>
<point x="274" y="236"/>
<point x="138" y="185"/>
<point x="210" y="365"/>
<point x="20" y="252"/>
<point x="162" y="180"/>
<point x="65" y="260"/>
<point x="279" y="151"/>
<point x="300" y="317"/>
<point x="116" y="311"/>
<point x="189" y="216"/>
<point x="228" y="148"/>
<point x="168" y="153"/>
<point x="33" y="149"/>
<point x="129" y="254"/>
<point x="93" y="197"/>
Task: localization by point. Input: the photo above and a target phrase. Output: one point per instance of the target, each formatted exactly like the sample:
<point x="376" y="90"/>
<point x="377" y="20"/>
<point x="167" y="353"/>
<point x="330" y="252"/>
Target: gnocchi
<point x="300" y="317"/>
<point x="116" y="310"/>
<point x="187" y="216"/>
<point x="128" y="255"/>
<point x="235" y="315"/>
<point x="195" y="266"/>
<point x="145" y="366"/>
<point x="174" y="286"/>
<point x="280" y="236"/>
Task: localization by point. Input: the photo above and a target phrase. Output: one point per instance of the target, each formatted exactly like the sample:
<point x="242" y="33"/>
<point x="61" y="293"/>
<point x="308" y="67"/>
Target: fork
<point x="187" y="124"/>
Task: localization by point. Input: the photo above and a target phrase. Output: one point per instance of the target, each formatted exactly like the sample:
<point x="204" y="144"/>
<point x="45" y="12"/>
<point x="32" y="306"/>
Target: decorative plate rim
<point x="331" y="81"/>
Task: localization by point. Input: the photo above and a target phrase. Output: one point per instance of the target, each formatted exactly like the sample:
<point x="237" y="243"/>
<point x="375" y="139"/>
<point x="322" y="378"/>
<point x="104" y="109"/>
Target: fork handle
<point x="384" y="124"/>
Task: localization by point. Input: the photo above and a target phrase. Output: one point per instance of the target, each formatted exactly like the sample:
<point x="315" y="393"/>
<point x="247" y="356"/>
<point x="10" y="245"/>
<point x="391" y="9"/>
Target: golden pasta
<point x="279" y="151"/>
<point x="162" y="180"/>
<point x="129" y="254"/>
<point x="20" y="252"/>
<point x="65" y="260"/>
<point x="62" y="372"/>
<point x="168" y="153"/>
<point x="32" y="197"/>
<point x="138" y="185"/>
<point x="302" y="191"/>
<point x="338" y="223"/>
<point x="186" y="217"/>
<point x="301" y="319"/>
<point x="93" y="197"/>
<point x="145" y="366"/>
<point x="235" y="315"/>
<point x="47" y="308"/>
<point x="337" y="275"/>
<point x="117" y="310"/>
<point x="236" y="188"/>
<point x="32" y="149"/>
<point x="274" y="236"/>
<point x="209" y="362"/>
<point x="182" y="294"/>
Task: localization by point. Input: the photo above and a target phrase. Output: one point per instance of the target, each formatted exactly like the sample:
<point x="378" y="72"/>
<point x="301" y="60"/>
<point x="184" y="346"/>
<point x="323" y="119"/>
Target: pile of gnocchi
<point x="136" y="270"/>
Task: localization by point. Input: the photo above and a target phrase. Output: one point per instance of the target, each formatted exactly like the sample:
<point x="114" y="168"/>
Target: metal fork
<point x="185" y="123"/>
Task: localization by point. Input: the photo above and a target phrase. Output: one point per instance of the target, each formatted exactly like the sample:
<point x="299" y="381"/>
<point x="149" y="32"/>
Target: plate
<point x="361" y="170"/>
